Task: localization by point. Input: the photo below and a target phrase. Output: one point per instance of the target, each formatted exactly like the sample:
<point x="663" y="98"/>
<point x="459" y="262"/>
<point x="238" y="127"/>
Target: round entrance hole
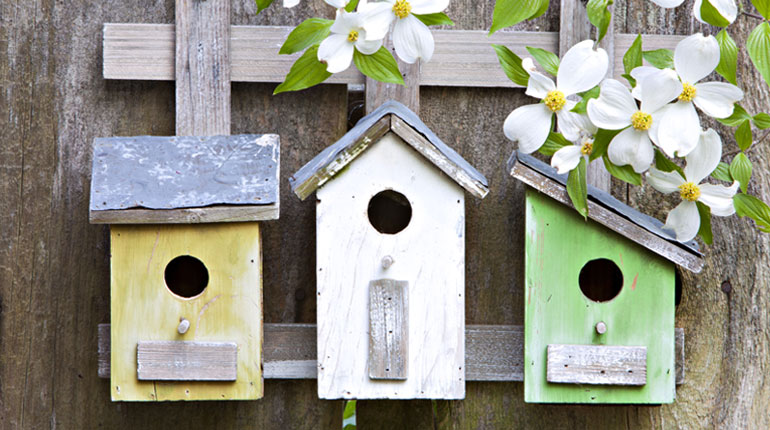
<point x="600" y="280"/>
<point x="389" y="212"/>
<point x="186" y="276"/>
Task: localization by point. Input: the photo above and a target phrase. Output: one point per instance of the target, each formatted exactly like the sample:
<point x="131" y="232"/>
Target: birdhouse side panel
<point x="559" y="245"/>
<point x="144" y="309"/>
<point x="426" y="261"/>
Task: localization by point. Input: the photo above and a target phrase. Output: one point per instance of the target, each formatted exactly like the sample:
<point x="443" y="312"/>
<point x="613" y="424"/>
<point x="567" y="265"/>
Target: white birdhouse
<point x="390" y="226"/>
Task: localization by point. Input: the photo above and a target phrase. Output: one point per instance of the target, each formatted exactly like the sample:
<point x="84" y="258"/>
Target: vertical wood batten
<point x="202" y="67"/>
<point x="408" y="94"/>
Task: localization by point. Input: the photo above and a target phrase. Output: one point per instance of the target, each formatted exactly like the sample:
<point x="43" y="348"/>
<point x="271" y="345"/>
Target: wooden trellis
<point x="203" y="53"/>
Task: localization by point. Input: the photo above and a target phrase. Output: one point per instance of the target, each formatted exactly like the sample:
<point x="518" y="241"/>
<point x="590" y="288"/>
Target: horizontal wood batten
<point x="186" y="216"/>
<point x="492" y="352"/>
<point x="650" y="42"/>
<point x="461" y="57"/>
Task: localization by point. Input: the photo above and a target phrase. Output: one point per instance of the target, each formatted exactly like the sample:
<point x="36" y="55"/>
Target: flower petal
<point x="695" y="57"/>
<point x="377" y="18"/>
<point x="613" y="108"/>
<point x="679" y="129"/>
<point x="640" y="73"/>
<point x="665" y="182"/>
<point x="539" y="85"/>
<point x="290" y="3"/>
<point x="337" y="52"/>
<point x="566" y="158"/>
<point x="412" y="40"/>
<point x="684" y="220"/>
<point x="704" y="158"/>
<point x="716" y="99"/>
<point x="421" y="7"/>
<point x="719" y="198"/>
<point x="367" y="47"/>
<point x="631" y="147"/>
<point x="581" y="68"/>
<point x="528" y="65"/>
<point x="345" y="22"/>
<point x="574" y="126"/>
<point x="337" y="3"/>
<point x="667" y="3"/>
<point x="659" y="88"/>
<point x="657" y="118"/>
<point x="529" y="126"/>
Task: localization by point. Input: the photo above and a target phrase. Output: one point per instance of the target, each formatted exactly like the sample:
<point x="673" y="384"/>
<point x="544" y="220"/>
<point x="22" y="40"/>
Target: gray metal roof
<point x="334" y="152"/>
<point x="604" y="199"/>
<point x="184" y="172"/>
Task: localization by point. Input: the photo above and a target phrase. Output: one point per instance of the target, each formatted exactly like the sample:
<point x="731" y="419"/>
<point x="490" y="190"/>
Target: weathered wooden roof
<point x="608" y="211"/>
<point x="148" y="179"/>
<point x="395" y="117"/>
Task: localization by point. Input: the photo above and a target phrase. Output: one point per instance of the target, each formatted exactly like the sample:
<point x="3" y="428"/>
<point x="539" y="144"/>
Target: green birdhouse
<point x="599" y="296"/>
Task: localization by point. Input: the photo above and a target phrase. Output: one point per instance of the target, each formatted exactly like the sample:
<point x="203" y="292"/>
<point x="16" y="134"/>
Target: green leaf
<point x="577" y="189"/>
<point x="739" y="115"/>
<point x="633" y="57"/>
<point x="439" y="18"/>
<point x="602" y="140"/>
<point x="262" y="4"/>
<point x="752" y="207"/>
<point x="311" y="32"/>
<point x="660" y="58"/>
<point x="740" y="169"/>
<point x="762" y="120"/>
<point x="508" y="13"/>
<point x="663" y="164"/>
<point x="555" y="142"/>
<point x="624" y="173"/>
<point x="711" y="15"/>
<point x="743" y="135"/>
<point x="548" y="60"/>
<point x="599" y="15"/>
<point x="763" y="7"/>
<point x="351" y="6"/>
<point x="350" y="409"/>
<point x="629" y="78"/>
<point x="728" y="57"/>
<point x="705" y="223"/>
<point x="758" y="45"/>
<point x="580" y="107"/>
<point x="305" y="72"/>
<point x="511" y="64"/>
<point x="722" y="172"/>
<point x="380" y="66"/>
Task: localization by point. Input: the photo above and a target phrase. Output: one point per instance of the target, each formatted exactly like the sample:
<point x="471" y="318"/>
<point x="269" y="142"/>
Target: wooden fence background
<point x="54" y="271"/>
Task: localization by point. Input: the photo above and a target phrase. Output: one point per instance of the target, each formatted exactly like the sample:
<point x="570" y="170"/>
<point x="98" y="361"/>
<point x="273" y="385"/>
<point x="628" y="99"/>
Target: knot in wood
<point x="184" y="325"/>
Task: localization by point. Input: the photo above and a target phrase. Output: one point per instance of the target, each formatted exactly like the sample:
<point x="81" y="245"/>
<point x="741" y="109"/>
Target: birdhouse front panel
<point x="186" y="312"/>
<point x="391" y="278"/>
<point x="599" y="312"/>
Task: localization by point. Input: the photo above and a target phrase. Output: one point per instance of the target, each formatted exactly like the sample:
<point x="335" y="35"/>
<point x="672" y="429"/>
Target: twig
<point x="753" y="144"/>
<point x="754" y="15"/>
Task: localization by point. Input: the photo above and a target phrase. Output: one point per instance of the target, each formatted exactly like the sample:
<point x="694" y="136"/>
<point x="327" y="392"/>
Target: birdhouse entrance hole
<point x="389" y="212"/>
<point x="186" y="276"/>
<point x="600" y="280"/>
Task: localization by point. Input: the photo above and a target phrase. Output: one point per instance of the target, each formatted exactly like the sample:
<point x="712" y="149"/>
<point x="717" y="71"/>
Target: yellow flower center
<point x="587" y="148"/>
<point x="689" y="191"/>
<point x="402" y="8"/>
<point x="688" y="92"/>
<point x="352" y="36"/>
<point x="641" y="121"/>
<point x="555" y="100"/>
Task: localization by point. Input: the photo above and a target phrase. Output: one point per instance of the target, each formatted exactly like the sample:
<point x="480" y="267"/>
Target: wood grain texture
<point x="596" y="364"/>
<point x="211" y="214"/>
<point x="428" y="254"/>
<point x="186" y="361"/>
<point x="202" y="67"/>
<point x="377" y="93"/>
<point x="388" y="329"/>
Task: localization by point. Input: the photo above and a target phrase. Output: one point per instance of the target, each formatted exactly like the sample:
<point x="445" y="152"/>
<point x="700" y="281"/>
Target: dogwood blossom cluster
<point x="659" y="111"/>
<point x="366" y="28"/>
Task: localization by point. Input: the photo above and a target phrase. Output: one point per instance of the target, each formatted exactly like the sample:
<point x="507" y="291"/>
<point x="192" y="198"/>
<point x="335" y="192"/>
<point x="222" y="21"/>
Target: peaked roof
<point x="395" y="117"/>
<point x="608" y="211"/>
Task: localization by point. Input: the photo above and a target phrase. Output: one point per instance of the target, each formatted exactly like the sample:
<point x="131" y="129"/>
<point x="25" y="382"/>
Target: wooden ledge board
<point x="186" y="216"/>
<point x="492" y="352"/>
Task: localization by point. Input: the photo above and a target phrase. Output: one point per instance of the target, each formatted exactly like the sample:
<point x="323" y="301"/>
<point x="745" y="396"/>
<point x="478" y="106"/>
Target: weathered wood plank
<point x="186" y="361"/>
<point x="187" y="216"/>
<point x="492" y="352"/>
<point x="597" y="364"/>
<point x="650" y="42"/>
<point x="388" y="329"/>
<point x="377" y="92"/>
<point x="202" y="69"/>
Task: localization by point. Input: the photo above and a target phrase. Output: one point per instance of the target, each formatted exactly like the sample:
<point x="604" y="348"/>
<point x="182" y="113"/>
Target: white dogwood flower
<point x="581" y="69"/>
<point x="727" y="8"/>
<point x="684" y="220"/>
<point x="695" y="58"/>
<point x="568" y="157"/>
<point x="616" y="109"/>
<point x="347" y="34"/>
<point x="411" y="37"/>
